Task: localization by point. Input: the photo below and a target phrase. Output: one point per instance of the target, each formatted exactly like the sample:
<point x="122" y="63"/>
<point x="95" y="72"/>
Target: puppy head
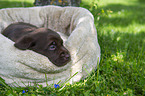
<point x="47" y="43"/>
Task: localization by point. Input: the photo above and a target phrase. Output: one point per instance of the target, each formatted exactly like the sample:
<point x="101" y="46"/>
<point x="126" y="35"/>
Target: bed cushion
<point x="76" y="27"/>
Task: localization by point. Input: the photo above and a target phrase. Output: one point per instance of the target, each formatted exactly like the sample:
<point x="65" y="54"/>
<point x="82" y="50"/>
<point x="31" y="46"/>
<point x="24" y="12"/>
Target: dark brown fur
<point x="40" y="40"/>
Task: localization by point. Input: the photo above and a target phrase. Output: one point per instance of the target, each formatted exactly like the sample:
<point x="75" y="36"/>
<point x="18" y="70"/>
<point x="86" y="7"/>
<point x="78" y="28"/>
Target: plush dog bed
<point x="76" y="27"/>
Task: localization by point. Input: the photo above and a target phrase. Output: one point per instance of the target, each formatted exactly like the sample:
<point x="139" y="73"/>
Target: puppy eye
<point x="52" y="47"/>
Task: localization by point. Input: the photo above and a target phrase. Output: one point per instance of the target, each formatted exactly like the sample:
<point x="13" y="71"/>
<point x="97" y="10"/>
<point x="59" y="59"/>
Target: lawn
<point x="121" y="34"/>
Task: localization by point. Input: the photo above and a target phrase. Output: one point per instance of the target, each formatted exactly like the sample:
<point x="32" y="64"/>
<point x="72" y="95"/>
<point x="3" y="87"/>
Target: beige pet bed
<point x="76" y="27"/>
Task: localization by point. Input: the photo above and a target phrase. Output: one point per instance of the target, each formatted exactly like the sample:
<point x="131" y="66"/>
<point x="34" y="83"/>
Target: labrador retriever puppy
<point x="40" y="40"/>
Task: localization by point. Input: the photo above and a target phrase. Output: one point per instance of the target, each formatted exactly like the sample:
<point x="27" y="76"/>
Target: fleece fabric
<point x="25" y="67"/>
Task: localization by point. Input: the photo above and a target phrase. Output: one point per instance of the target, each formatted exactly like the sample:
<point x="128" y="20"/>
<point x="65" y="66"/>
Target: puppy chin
<point x="61" y="63"/>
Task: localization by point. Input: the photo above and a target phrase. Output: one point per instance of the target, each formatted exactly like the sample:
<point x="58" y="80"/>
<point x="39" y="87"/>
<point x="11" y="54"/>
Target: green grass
<point x="121" y="34"/>
<point x="16" y="3"/>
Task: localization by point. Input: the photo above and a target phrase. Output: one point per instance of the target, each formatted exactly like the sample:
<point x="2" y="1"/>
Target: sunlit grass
<point x="16" y="3"/>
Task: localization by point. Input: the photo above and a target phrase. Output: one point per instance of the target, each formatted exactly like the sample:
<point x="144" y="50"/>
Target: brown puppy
<point x="40" y="40"/>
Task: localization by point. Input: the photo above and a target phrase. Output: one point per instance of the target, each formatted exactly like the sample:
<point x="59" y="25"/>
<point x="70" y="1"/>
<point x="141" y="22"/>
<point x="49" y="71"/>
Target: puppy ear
<point x="24" y="43"/>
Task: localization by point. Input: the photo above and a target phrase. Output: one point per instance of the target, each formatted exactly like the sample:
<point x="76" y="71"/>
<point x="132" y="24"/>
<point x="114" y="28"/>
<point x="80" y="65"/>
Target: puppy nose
<point x="65" y="55"/>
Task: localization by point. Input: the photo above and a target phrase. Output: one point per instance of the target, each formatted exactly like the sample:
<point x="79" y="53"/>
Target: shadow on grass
<point x="124" y="15"/>
<point x="141" y="1"/>
<point x="11" y="4"/>
<point x="132" y="14"/>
